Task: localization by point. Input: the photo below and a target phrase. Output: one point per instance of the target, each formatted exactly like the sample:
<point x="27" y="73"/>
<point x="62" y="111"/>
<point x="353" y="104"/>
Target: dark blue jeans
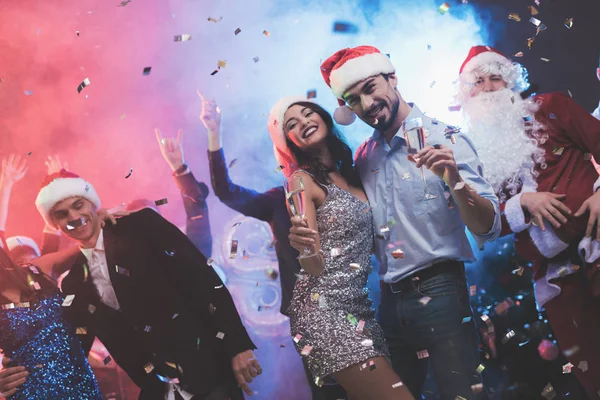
<point x="412" y="324"/>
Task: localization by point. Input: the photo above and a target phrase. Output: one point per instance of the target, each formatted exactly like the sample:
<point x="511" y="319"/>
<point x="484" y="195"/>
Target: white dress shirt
<point x="98" y="268"/>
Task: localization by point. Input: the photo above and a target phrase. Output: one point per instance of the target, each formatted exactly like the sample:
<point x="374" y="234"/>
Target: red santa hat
<point x="16" y="241"/>
<point x="349" y="66"/>
<point x="483" y="55"/>
<point x="275" y="124"/>
<point x="60" y="186"/>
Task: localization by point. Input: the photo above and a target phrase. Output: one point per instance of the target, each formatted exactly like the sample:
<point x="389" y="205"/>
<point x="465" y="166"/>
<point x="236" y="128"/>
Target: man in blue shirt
<point x="421" y="244"/>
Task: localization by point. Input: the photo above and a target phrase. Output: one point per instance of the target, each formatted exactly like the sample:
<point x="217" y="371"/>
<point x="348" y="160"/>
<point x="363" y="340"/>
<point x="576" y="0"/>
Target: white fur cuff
<point x="548" y="244"/>
<point x="515" y="215"/>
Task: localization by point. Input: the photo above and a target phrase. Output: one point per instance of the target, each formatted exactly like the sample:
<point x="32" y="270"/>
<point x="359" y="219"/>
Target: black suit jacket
<point x="177" y="320"/>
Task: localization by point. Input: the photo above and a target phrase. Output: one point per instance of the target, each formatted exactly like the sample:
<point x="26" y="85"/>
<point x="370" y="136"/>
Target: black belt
<point x="410" y="283"/>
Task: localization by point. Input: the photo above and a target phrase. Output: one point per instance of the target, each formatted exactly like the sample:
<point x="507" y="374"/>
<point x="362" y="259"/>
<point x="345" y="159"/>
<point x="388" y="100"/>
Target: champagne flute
<point x="414" y="134"/>
<point x="295" y="197"/>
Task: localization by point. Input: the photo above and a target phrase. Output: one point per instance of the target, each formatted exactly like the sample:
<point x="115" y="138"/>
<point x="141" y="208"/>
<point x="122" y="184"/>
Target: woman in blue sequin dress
<point x="331" y="318"/>
<point x="34" y="335"/>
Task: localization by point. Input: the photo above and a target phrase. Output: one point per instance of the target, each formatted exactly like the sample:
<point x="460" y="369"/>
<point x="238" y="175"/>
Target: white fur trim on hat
<point x="357" y="69"/>
<point x="16" y="241"/>
<point x="343" y="115"/>
<point x="60" y="189"/>
<point x="487" y="57"/>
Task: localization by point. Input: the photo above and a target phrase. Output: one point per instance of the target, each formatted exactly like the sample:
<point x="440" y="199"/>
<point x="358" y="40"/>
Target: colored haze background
<point x="47" y="48"/>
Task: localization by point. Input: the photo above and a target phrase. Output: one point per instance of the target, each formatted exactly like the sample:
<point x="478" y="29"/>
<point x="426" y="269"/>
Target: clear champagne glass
<point x="295" y="197"/>
<point x="414" y="133"/>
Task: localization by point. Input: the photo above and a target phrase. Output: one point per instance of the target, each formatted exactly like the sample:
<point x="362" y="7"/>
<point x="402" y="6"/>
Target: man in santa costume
<point x="537" y="155"/>
<point x="421" y="245"/>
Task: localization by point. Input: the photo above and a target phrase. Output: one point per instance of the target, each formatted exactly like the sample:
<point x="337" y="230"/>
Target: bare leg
<point x="380" y="383"/>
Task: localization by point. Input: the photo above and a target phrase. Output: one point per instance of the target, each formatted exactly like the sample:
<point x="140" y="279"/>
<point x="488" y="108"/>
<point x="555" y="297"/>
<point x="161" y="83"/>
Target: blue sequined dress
<point x="35" y="335"/>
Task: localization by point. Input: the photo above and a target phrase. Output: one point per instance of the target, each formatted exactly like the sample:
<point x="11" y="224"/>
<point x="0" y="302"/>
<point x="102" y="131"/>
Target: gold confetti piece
<point x="279" y="168"/>
<point x="91" y="308"/>
<point x="197" y="217"/>
<point x="367" y="343"/>
<point x="354" y="266"/>
<point x="220" y="335"/>
<point x="480" y="368"/>
<point x="211" y="19"/>
<point x="422" y="354"/>
<point x="266" y="33"/>
<point x="566" y="369"/>
<point x="221" y="63"/>
<point x="314" y="297"/>
<point x="569" y="23"/>
<point x="397" y="385"/>
<point x="68" y="300"/>
<point x="519" y="271"/>
<point x="81" y="330"/>
<point x="583" y="366"/>
<point x="558" y="151"/>
<point x="306" y="350"/>
<point x="545" y="59"/>
<point x="548" y="392"/>
<point x="587" y="156"/>
<point x="397" y="254"/>
<point x="234" y="247"/>
<point x="514" y="17"/>
<point x="237" y="31"/>
<point x="161" y="202"/>
<point x="425" y="300"/>
<point x="149" y="368"/>
<point x="297" y="338"/>
<point x="443" y="9"/>
<point x="533" y="10"/>
<point x="530" y="42"/>
<point x="319" y="381"/>
<point x="519" y="54"/>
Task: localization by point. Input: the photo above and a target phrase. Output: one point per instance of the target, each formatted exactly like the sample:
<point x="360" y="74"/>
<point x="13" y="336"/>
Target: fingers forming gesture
<point x="171" y="148"/>
<point x="211" y="114"/>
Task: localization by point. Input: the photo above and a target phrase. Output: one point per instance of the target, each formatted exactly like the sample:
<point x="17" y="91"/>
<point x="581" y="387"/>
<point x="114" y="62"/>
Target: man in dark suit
<point x="148" y="294"/>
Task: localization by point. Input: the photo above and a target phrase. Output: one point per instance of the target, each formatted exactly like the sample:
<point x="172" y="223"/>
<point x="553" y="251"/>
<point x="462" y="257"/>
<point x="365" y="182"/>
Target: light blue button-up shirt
<point x="429" y="231"/>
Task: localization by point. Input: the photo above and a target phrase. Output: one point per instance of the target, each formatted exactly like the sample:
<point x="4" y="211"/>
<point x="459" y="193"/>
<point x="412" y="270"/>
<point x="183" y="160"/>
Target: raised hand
<point x="210" y="115"/>
<point x="171" y="149"/>
<point x="54" y="165"/>
<point x="14" y="168"/>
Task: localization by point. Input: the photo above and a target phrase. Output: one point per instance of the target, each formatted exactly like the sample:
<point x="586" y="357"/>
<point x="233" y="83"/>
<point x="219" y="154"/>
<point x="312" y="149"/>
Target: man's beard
<point x="497" y="123"/>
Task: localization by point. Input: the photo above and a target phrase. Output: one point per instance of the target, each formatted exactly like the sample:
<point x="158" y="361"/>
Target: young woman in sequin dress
<point x="36" y="338"/>
<point x="331" y="318"/>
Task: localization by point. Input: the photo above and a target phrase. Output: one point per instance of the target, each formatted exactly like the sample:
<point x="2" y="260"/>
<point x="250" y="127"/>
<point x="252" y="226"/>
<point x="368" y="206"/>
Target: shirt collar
<point x="99" y="246"/>
<point x="415" y="112"/>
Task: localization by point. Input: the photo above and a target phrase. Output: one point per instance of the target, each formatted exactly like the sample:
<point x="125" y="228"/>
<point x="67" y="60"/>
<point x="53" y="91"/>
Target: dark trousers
<point x="426" y="316"/>
<point x="575" y="320"/>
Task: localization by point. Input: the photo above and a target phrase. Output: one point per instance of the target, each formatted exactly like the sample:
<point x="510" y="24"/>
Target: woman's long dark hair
<point x="11" y="275"/>
<point x="337" y="146"/>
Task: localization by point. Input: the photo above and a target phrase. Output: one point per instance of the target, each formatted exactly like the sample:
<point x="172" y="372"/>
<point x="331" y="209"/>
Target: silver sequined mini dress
<point x="332" y="313"/>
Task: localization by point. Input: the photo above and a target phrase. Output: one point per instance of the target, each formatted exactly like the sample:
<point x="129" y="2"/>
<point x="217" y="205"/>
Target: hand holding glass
<point x="295" y="197"/>
<point x="414" y="134"/>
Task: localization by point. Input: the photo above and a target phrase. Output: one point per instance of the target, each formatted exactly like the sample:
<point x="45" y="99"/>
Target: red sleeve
<point x="573" y="121"/>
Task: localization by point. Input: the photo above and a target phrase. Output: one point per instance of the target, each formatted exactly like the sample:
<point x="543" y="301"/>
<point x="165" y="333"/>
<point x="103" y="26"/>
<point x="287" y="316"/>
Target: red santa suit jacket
<point x="573" y="137"/>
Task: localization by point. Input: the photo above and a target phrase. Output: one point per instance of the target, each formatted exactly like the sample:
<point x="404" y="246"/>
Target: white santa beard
<point x="496" y="125"/>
